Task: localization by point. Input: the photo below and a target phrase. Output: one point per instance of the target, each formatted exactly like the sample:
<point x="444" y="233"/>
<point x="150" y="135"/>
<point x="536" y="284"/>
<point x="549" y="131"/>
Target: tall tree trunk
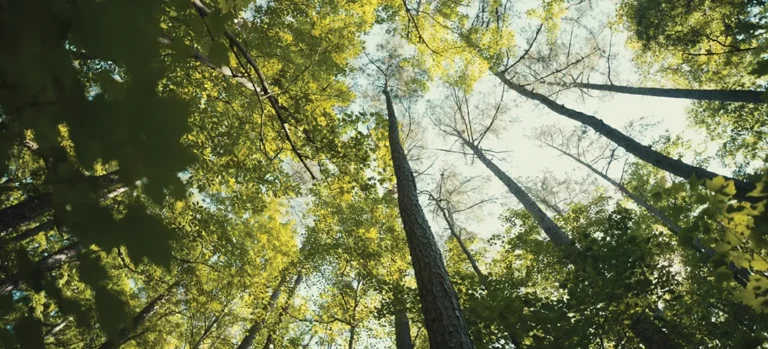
<point x="745" y="96"/>
<point x="448" y="216"/>
<point x="402" y="329"/>
<point x="24" y="212"/>
<point x="139" y="319"/>
<point x="284" y="310"/>
<point x="555" y="234"/>
<point x="56" y="328"/>
<point x="351" y="342"/>
<point x="26" y="234"/>
<point x="664" y="219"/>
<point x="258" y="324"/>
<point x="647" y="334"/>
<point x="740" y="275"/>
<point x="442" y="312"/>
<point x="208" y="329"/>
<point x="34" y="207"/>
<point x="45" y="264"/>
<point x="645" y="153"/>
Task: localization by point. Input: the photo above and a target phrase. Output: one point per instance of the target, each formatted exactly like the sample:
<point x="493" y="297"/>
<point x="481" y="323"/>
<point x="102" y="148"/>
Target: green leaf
<point x="219" y="54"/>
<point x="146" y="236"/>
<point x="29" y="333"/>
<point x="722" y="247"/>
<point x="722" y="275"/>
<point x="112" y="312"/>
<point x="7" y="339"/>
<point x="715" y="184"/>
<point x="759" y="264"/>
<point x="91" y="270"/>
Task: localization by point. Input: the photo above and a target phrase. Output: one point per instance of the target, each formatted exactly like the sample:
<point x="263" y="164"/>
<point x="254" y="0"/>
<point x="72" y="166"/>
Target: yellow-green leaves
<point x="719" y="184"/>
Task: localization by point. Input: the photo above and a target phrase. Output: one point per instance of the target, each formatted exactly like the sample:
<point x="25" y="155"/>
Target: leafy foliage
<point x="209" y="174"/>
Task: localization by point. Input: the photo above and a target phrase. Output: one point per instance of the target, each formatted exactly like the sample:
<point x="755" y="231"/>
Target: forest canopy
<point x="383" y="174"/>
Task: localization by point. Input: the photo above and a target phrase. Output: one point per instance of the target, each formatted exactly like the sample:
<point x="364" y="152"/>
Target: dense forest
<point x="404" y="174"/>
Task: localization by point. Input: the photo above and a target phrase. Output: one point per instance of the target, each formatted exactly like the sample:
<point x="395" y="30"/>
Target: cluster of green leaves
<point x="159" y="166"/>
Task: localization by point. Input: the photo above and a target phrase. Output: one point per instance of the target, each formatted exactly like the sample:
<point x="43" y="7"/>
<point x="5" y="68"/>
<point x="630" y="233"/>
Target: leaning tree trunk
<point x="555" y="234"/>
<point x="257" y="325"/>
<point x="402" y="329"/>
<point x="664" y="219"/>
<point x="56" y="328"/>
<point x="647" y="331"/>
<point x="740" y="275"/>
<point x="125" y="333"/>
<point x="34" y="207"/>
<point x="296" y="283"/>
<point x="208" y="329"/>
<point x="645" y="153"/>
<point x="45" y="264"/>
<point x="745" y="96"/>
<point x="351" y="342"/>
<point x="442" y="312"/>
<point x="31" y="232"/>
<point x="448" y="216"/>
<point x="24" y="212"/>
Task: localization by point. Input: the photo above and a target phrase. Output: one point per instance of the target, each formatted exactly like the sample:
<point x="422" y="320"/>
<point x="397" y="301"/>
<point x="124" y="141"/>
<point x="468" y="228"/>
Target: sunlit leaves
<point x="112" y="310"/>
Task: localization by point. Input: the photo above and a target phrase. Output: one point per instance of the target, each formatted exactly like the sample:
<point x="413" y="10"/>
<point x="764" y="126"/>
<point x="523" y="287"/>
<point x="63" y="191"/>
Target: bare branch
<point x="525" y="53"/>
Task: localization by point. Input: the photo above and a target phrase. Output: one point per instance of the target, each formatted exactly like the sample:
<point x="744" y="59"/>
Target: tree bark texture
<point x="442" y="312"/>
<point x="740" y="275"/>
<point x="46" y="264"/>
<point x="258" y="324"/>
<point x="648" y="332"/>
<point x="555" y="234"/>
<point x="642" y="152"/>
<point x="402" y="330"/>
<point x="284" y="310"/>
<point x="24" y="212"/>
<point x="744" y="96"/>
<point x="139" y="319"/>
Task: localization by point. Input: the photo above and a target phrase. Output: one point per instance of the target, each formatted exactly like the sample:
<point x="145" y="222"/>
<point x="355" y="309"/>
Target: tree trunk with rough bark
<point x="448" y="216"/>
<point x="642" y="152"/>
<point x="555" y="234"/>
<point x="34" y="207"/>
<point x="24" y="212"/>
<point x="257" y="325"/>
<point x="284" y="310"/>
<point x="647" y="333"/>
<point x="740" y="275"/>
<point x="442" y="312"/>
<point x="139" y="319"/>
<point x="45" y="264"/>
<point x="402" y="329"/>
<point x="31" y="232"/>
<point x="744" y="96"/>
